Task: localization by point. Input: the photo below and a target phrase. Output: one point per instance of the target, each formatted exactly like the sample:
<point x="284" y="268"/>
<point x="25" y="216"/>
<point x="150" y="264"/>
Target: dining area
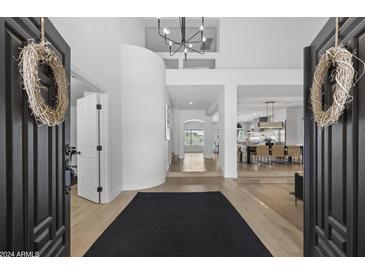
<point x="270" y="153"/>
<point x="271" y="138"/>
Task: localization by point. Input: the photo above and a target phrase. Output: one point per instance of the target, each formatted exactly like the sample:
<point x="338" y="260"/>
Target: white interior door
<point x="87" y="141"/>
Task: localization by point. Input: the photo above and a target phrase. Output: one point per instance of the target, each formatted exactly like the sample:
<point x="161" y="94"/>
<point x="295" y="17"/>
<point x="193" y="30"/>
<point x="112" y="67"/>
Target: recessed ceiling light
<point x="190" y="103"/>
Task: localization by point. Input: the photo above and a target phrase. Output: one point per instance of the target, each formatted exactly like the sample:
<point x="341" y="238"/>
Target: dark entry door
<point x="334" y="157"/>
<point x="34" y="200"/>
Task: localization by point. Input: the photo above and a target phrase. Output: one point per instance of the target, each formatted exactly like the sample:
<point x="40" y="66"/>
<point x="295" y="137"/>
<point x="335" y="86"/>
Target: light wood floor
<point x="194" y="162"/>
<point x="278" y="198"/>
<point x="270" y="171"/>
<point x="262" y="209"/>
<point x="194" y="165"/>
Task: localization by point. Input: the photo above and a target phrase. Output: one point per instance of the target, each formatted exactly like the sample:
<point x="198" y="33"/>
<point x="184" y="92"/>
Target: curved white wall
<point x="144" y="97"/>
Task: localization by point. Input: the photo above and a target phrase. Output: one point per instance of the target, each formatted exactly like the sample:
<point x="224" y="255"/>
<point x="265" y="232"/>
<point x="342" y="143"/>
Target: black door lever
<point x="67" y="190"/>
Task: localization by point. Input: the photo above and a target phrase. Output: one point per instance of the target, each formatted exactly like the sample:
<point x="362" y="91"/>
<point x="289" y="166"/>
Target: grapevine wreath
<point x="341" y="59"/>
<point x="30" y="57"/>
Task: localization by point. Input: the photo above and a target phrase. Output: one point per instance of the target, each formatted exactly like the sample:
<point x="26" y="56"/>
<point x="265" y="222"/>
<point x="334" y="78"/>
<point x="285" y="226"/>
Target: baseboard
<point x="115" y="193"/>
<point x="145" y="185"/>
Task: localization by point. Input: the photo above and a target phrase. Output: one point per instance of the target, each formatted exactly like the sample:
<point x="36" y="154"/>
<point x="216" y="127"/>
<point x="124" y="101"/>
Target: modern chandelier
<point x="185" y="44"/>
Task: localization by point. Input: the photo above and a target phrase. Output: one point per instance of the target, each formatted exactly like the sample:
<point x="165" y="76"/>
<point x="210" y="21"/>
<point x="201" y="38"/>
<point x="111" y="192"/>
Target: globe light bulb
<point x="170" y="43"/>
<point x="185" y="50"/>
<point x="190" y="45"/>
<point x="166" y="31"/>
<point x="204" y="39"/>
<point x="201" y="27"/>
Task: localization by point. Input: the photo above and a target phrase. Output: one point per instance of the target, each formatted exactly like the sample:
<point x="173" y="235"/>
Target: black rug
<point x="178" y="224"/>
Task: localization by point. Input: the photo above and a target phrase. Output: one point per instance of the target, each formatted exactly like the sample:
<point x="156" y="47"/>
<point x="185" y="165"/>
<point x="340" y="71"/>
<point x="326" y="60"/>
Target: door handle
<point x="67" y="190"/>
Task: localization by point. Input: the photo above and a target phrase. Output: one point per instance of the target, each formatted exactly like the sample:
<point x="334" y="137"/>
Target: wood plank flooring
<point x="269" y="171"/>
<point x="278" y="198"/>
<point x="280" y="236"/>
<point x="194" y="165"/>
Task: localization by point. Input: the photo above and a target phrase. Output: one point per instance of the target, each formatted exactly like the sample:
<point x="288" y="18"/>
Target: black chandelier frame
<point x="184" y="42"/>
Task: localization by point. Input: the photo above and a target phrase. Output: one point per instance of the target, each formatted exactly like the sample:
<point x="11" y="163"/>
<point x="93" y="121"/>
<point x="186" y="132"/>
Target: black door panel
<point x="333" y="165"/>
<point x="34" y="208"/>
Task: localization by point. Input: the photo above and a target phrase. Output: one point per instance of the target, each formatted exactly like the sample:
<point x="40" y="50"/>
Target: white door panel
<point x="87" y="141"/>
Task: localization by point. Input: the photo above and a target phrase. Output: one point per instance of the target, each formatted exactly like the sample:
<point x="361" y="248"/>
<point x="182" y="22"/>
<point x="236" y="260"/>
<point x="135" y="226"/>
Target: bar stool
<point x="278" y="153"/>
<point x="295" y="153"/>
<point x="262" y="154"/>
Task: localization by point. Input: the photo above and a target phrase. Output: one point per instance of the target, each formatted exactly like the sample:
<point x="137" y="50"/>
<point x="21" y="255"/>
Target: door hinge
<point x="99" y="189"/>
<point x="98" y="106"/>
<point x="99" y="148"/>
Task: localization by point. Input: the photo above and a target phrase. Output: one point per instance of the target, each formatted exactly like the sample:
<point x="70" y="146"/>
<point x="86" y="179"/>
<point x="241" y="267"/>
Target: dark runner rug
<point x="178" y="224"/>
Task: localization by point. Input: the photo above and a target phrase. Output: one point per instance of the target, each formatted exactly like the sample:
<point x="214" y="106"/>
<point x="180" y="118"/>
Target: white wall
<point x="175" y="130"/>
<point x="279" y="114"/>
<point x="194" y="125"/>
<point x="236" y="76"/>
<point x="144" y="97"/>
<point x="215" y="132"/>
<point x="294" y="126"/>
<point x="263" y="42"/>
<point x="228" y="128"/>
<point x="208" y="137"/>
<point x="215" y="135"/>
<point x="95" y="53"/>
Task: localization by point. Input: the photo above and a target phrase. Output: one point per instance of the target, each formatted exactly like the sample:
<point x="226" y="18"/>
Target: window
<point x="194" y="137"/>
